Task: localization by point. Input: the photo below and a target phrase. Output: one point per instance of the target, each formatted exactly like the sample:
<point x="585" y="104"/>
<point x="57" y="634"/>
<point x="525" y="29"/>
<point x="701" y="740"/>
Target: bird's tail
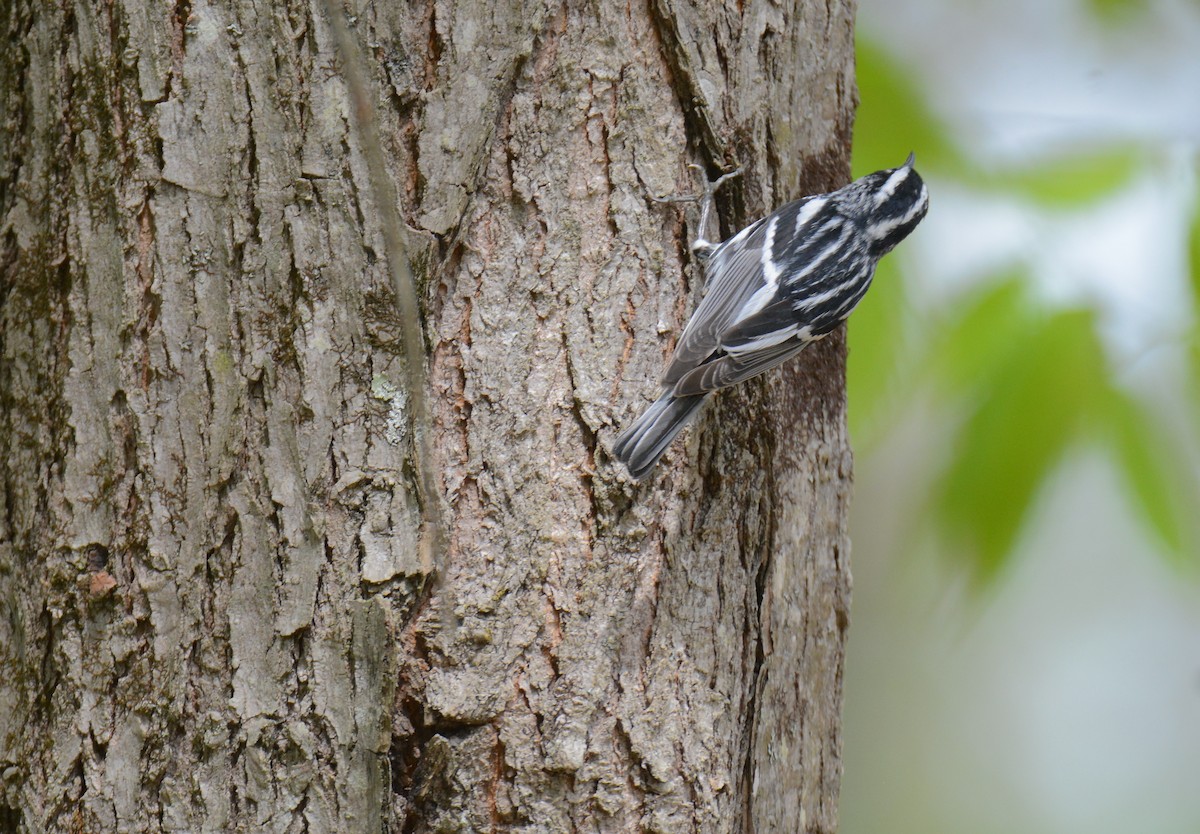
<point x="641" y="445"/>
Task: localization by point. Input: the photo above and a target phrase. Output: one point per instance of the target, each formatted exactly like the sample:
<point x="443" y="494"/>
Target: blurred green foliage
<point x="1021" y="383"/>
<point x="1115" y="11"/>
<point x="1072" y="182"/>
<point x="1194" y="275"/>
<point x="893" y="119"/>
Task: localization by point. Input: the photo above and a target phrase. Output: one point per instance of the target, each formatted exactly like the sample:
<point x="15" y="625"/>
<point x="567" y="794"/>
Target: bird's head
<point x="889" y="204"/>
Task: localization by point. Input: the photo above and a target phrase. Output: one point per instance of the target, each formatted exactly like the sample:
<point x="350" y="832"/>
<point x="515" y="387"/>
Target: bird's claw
<point x="710" y="187"/>
<point x="702" y="248"/>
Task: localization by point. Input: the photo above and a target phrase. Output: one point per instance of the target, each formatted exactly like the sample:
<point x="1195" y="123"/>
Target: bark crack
<point x="181" y="17"/>
<point x="683" y="80"/>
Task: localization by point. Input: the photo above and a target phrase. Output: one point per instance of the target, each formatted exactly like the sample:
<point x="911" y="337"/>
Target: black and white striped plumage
<point x="775" y="286"/>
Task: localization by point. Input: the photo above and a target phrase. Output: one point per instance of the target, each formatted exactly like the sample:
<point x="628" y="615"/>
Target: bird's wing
<point x="745" y="273"/>
<point x="734" y="273"/>
<point x="733" y="368"/>
<point x="821" y="278"/>
<point x="772" y="325"/>
<point x="769" y="336"/>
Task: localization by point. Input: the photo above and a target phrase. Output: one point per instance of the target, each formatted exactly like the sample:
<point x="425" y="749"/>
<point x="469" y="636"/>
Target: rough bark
<point x="213" y="612"/>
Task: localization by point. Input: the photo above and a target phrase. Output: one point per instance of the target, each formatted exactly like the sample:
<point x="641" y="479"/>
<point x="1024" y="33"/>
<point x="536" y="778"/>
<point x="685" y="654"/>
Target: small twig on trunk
<point x="404" y="285"/>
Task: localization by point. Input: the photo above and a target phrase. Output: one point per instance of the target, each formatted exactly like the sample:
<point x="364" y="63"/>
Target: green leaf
<point x="894" y="119"/>
<point x="1031" y="410"/>
<point x="1160" y="492"/>
<point x="1115" y="11"/>
<point x="989" y="326"/>
<point x="1194" y="279"/>
<point x="1074" y="181"/>
<point x="1194" y="258"/>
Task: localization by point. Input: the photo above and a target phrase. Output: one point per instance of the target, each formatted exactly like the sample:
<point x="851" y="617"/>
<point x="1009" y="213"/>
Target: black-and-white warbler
<point x="775" y="286"/>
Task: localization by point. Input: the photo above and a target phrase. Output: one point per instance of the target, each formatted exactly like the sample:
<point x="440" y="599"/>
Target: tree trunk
<point x="214" y="613"/>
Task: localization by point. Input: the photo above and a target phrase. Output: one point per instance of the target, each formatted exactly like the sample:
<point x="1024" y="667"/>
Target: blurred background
<point x="1025" y="410"/>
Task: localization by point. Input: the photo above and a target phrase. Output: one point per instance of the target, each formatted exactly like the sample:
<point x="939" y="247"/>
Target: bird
<point x="780" y="283"/>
